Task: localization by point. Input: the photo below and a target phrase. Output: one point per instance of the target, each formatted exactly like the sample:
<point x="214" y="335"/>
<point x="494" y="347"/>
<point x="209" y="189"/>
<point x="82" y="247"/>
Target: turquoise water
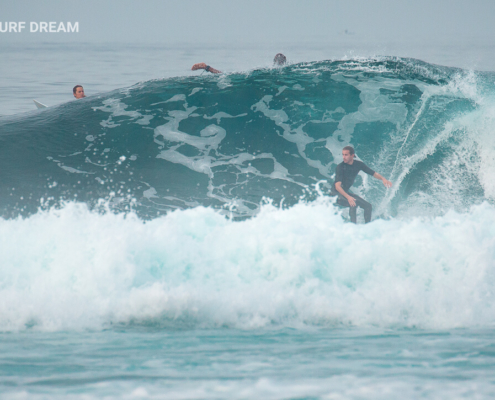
<point x="230" y="141"/>
<point x="232" y="364"/>
<point x="173" y="237"/>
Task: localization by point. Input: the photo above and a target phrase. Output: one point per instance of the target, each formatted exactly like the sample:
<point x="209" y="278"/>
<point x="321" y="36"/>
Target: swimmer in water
<point x="207" y="68"/>
<point x="78" y="92"/>
<point x="280" y="59"/>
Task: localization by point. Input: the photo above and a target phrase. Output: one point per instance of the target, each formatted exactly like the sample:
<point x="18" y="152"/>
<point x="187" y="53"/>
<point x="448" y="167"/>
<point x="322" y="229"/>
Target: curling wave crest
<point x="228" y="141"/>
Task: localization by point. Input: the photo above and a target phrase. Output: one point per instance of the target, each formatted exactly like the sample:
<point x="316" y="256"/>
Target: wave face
<point x="228" y="141"/>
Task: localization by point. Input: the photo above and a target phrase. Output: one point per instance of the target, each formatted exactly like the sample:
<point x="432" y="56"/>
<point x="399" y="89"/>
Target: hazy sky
<point x="169" y="36"/>
<point x="255" y="21"/>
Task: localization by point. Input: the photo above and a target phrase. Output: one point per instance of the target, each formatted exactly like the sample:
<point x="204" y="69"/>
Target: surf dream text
<point x="39" y="27"/>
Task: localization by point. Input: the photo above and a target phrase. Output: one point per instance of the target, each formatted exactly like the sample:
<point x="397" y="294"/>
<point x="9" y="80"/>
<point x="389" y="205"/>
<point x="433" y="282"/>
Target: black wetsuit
<point x="346" y="174"/>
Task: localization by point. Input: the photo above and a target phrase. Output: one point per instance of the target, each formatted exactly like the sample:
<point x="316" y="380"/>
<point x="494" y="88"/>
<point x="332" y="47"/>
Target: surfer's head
<point x="78" y="92"/>
<point x="279" y="59"/>
<point x="348" y="154"/>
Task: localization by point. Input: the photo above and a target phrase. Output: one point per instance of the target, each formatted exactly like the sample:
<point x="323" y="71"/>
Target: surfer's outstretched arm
<point x="384" y="181"/>
<point x="207" y="68"/>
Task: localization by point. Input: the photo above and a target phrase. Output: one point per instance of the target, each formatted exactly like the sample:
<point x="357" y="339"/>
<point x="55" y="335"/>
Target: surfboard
<point x="39" y="105"/>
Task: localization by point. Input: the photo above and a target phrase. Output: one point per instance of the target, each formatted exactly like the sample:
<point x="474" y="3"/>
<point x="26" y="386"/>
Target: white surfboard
<point x="39" y="105"/>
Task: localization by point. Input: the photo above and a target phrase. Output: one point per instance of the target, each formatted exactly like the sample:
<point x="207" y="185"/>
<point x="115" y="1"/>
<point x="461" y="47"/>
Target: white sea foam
<point x="76" y="269"/>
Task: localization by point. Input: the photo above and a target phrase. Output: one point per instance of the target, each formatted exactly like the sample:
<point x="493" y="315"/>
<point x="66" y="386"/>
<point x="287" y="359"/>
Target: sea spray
<point x="77" y="269"/>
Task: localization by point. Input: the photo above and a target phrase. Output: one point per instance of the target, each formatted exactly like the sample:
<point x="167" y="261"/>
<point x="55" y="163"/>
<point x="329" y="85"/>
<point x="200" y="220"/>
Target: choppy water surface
<point x="231" y="364"/>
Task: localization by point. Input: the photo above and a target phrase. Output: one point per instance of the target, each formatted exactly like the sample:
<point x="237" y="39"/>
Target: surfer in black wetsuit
<point x="345" y="174"/>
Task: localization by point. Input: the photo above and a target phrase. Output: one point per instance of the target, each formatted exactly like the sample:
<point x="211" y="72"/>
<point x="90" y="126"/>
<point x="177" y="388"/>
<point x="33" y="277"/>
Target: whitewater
<point x="300" y="267"/>
<point x="176" y="238"/>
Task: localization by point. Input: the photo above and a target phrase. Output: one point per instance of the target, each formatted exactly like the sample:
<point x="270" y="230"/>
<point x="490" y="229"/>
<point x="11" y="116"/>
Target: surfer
<point x="280" y="59"/>
<point x="345" y="174"/>
<point x="207" y="68"/>
<point x="78" y="92"/>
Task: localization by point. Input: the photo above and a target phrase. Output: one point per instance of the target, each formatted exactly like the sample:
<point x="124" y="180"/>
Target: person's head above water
<point x="348" y="154"/>
<point x="78" y="92"/>
<point x="279" y="59"/>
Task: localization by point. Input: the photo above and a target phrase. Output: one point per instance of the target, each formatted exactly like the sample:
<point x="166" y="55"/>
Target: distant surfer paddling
<point x="207" y="68"/>
<point x="78" y="92"/>
<point x="279" y="59"/>
<point x="345" y="175"/>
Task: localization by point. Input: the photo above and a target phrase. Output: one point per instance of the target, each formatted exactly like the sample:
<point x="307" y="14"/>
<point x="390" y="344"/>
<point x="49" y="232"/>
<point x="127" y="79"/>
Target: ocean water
<point x="172" y="234"/>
